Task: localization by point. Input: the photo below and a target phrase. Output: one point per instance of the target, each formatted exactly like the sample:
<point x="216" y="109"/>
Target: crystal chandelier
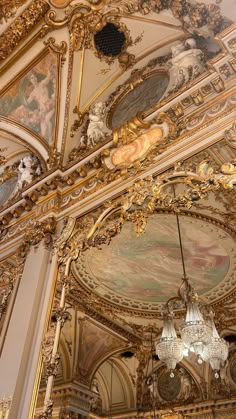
<point x="198" y="333"/>
<point x="171" y="348"/>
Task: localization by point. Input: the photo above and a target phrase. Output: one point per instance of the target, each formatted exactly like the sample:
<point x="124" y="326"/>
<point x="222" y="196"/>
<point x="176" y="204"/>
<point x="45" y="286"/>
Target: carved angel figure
<point x="28" y="168"/>
<point x="96" y="121"/>
<point x="186" y="63"/>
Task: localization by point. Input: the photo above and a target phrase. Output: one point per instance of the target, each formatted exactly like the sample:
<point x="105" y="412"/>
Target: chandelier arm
<point x="172" y="299"/>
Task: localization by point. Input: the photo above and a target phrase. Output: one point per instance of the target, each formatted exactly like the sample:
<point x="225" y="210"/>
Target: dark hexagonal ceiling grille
<point x="109" y="40"/>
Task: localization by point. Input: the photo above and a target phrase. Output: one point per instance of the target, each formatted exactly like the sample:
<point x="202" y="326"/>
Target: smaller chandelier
<point x="198" y="334"/>
<point x="195" y="332"/>
<point x="216" y="352"/>
<point x="170" y="349"/>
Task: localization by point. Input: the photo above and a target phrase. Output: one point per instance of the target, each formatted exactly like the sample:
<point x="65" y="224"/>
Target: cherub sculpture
<point x="28" y="168"/>
<point x="186" y="63"/>
<point x="96" y="121"/>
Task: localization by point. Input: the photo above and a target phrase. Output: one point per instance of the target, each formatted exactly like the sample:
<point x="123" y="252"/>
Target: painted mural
<point x="31" y="100"/>
<point x="149" y="268"/>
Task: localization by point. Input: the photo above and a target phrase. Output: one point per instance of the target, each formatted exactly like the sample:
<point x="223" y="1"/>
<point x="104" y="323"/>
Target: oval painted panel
<point x="142" y="97"/>
<point x="148" y="268"/>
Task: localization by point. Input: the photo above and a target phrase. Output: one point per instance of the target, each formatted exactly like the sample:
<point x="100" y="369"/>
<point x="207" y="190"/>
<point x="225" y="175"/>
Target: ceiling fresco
<point x="132" y="270"/>
<point x="31" y="101"/>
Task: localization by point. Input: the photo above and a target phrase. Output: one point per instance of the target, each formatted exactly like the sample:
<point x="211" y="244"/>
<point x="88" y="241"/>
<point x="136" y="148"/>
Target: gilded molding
<point x="57" y="48"/>
<point x="21" y="27"/>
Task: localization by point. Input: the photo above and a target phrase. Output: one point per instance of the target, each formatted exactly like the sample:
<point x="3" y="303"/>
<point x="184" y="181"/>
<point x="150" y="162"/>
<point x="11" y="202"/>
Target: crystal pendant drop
<point x="170" y="348"/>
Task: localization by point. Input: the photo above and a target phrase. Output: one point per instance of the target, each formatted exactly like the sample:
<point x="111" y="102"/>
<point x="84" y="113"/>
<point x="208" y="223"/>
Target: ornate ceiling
<point x="95" y="96"/>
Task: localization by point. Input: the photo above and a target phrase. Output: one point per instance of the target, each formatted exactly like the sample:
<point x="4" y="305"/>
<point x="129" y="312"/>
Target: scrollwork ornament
<point x="52" y="366"/>
<point x="81" y="28"/>
<point x="54" y="158"/>
<point x="144" y="197"/>
<point x="194" y="15"/>
<point x="3" y="159"/>
<point x="4" y="297"/>
<point x="58" y="48"/>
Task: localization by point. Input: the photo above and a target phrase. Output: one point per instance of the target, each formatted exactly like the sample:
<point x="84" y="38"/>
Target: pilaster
<point x="21" y="350"/>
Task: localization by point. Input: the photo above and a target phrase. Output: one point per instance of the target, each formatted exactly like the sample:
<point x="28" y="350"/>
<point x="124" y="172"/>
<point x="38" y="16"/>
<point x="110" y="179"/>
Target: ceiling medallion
<point x="98" y="273"/>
